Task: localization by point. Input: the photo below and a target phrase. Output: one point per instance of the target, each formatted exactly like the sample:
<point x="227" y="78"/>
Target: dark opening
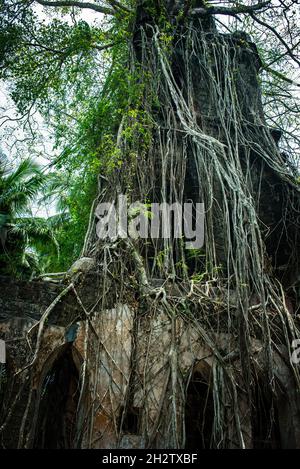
<point x="129" y="420"/>
<point x="59" y="398"/>
<point x="265" y="422"/>
<point x="199" y="414"/>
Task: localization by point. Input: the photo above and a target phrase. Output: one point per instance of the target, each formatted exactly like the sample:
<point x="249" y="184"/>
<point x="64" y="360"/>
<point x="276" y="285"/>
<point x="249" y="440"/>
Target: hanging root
<point x="222" y="138"/>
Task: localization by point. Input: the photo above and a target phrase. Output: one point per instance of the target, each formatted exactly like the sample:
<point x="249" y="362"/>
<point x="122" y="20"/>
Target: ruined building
<point x="193" y="351"/>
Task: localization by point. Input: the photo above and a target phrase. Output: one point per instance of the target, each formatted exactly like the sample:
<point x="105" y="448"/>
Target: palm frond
<point x="34" y="230"/>
<point x="58" y="220"/>
<point x="56" y="190"/>
<point x="18" y="195"/>
<point x="3" y="219"/>
<point x="27" y="168"/>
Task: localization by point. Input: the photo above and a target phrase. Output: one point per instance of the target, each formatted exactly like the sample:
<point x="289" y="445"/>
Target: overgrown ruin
<point x="150" y="346"/>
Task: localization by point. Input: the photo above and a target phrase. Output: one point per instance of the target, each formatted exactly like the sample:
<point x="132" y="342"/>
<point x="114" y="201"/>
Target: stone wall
<point x="133" y="375"/>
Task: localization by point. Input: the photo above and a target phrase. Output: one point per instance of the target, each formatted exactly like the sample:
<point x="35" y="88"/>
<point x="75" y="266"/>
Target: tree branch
<point x="106" y="46"/>
<point x="116" y="4"/>
<point x="268" y="26"/>
<point x="75" y="3"/>
<point x="229" y="11"/>
<point x="279" y="75"/>
<point x="282" y="55"/>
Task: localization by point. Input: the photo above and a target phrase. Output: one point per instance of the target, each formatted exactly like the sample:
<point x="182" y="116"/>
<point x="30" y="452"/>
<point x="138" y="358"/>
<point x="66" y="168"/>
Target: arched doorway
<point x="199" y="409"/>
<point x="56" y="425"/>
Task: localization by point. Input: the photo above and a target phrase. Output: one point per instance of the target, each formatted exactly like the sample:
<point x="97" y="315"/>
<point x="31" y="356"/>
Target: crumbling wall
<point x="127" y="362"/>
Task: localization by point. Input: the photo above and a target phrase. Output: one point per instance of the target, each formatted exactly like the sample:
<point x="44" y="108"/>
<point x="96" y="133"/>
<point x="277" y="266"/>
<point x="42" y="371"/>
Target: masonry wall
<point x="133" y="368"/>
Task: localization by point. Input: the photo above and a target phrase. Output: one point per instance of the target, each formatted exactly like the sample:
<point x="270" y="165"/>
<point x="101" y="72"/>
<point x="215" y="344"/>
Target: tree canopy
<point x="68" y="62"/>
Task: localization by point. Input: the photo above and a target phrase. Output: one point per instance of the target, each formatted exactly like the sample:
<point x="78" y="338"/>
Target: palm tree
<point x="20" y="232"/>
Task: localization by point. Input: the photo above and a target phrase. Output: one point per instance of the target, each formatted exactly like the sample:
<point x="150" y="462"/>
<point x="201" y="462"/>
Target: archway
<point x="199" y="409"/>
<point x="56" y="425"/>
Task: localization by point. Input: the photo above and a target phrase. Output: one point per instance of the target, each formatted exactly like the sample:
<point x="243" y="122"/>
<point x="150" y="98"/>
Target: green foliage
<point x="56" y="67"/>
<point x="11" y="31"/>
<point x="160" y="257"/>
<point x="71" y="223"/>
<point x="21" y="233"/>
<point x="19" y="187"/>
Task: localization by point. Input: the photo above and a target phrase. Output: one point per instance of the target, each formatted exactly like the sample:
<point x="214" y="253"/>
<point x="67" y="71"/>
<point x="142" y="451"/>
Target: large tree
<point x="176" y="114"/>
